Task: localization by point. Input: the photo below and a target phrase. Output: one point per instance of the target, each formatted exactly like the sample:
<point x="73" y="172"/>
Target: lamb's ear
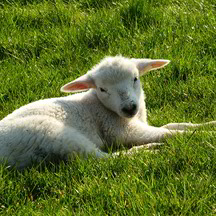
<point x="82" y="83"/>
<point x="145" y="65"/>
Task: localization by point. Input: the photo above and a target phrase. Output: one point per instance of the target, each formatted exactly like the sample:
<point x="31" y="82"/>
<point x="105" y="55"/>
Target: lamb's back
<point x="82" y="111"/>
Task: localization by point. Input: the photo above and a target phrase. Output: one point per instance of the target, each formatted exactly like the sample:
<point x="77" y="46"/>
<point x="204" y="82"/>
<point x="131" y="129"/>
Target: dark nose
<point x="130" y="110"/>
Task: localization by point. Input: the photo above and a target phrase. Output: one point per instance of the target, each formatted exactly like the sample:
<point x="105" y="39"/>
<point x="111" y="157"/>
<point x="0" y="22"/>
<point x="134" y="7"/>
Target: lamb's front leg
<point x="184" y="126"/>
<point x="139" y="133"/>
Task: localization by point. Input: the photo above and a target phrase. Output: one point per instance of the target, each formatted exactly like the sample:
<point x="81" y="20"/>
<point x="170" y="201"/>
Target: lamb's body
<point x="52" y="129"/>
<point x="84" y="123"/>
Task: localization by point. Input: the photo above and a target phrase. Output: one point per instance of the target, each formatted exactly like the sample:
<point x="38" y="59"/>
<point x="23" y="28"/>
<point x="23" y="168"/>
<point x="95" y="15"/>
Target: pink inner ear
<point x="77" y="86"/>
<point x="81" y="86"/>
<point x="157" y="64"/>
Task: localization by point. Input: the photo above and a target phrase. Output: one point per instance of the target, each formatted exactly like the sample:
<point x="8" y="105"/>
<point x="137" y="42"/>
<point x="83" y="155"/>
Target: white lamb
<point x="112" y="111"/>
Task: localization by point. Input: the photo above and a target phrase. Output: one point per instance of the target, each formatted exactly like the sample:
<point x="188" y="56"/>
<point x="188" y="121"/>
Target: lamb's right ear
<point x="145" y="65"/>
<point x="82" y="83"/>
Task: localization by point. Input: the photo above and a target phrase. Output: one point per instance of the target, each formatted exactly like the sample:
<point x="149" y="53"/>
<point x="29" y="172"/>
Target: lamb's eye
<point x="135" y="79"/>
<point x="102" y="90"/>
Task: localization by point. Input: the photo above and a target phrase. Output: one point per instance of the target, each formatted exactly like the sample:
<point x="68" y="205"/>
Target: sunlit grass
<point x="45" y="44"/>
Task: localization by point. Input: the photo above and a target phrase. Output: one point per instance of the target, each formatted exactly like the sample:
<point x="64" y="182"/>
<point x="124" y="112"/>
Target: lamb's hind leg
<point x="184" y="126"/>
<point x="38" y="138"/>
<point x="65" y="141"/>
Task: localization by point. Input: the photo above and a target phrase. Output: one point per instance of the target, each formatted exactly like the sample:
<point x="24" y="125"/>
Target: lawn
<point x="45" y="44"/>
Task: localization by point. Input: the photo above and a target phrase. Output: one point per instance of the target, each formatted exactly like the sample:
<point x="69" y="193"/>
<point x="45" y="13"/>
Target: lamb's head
<point x="116" y="82"/>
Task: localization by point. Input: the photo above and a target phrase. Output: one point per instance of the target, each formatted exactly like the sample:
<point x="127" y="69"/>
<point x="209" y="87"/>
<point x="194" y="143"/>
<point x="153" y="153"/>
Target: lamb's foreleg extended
<point x="139" y="133"/>
<point x="184" y="125"/>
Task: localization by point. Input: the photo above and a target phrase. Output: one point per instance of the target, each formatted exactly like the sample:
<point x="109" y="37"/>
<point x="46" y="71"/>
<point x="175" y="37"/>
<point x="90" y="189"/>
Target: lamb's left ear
<point x="145" y="65"/>
<point x="82" y="83"/>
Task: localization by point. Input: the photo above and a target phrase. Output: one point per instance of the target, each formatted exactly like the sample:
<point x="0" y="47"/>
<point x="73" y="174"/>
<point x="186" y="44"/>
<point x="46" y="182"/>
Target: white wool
<point x="111" y="111"/>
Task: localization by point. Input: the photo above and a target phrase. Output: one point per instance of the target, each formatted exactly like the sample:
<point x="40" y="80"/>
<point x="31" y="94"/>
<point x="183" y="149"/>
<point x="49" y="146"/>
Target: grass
<point x="45" y="44"/>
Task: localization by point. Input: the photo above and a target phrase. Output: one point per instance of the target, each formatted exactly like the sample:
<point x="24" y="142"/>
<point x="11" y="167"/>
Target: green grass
<point x="45" y="44"/>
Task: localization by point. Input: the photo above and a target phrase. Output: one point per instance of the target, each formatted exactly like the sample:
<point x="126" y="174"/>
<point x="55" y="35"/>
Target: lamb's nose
<point x="130" y="110"/>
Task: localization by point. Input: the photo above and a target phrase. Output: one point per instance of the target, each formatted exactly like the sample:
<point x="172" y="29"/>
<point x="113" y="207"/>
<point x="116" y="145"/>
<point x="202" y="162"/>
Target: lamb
<point x="109" y="109"/>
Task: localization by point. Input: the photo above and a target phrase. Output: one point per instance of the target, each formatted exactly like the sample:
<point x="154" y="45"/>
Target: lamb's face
<point x="120" y="90"/>
<point x="116" y="81"/>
